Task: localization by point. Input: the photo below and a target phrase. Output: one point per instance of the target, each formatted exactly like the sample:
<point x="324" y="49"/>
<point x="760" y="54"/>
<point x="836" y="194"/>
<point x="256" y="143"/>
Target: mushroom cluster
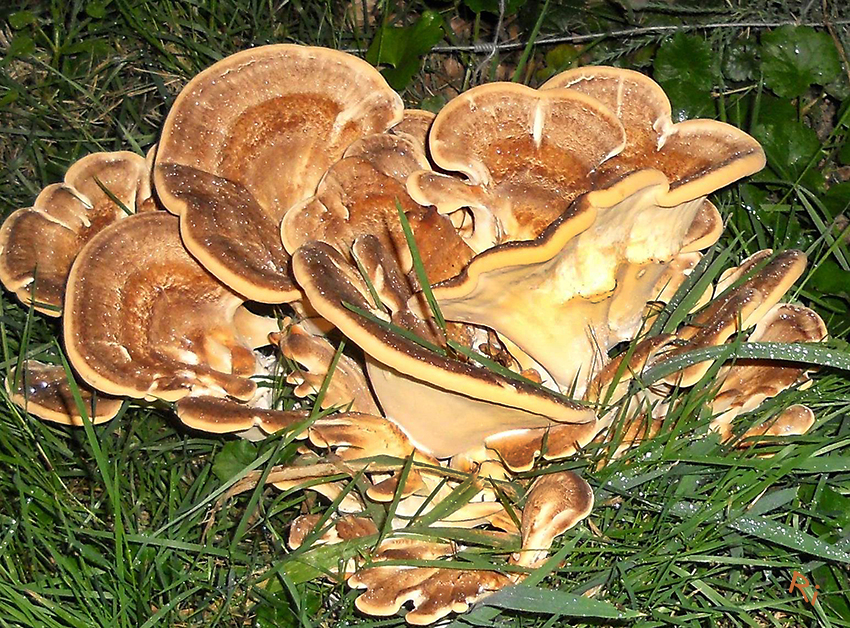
<point x="484" y="261"/>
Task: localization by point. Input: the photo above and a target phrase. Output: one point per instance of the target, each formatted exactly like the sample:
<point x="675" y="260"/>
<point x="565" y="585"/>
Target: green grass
<point x="124" y="524"/>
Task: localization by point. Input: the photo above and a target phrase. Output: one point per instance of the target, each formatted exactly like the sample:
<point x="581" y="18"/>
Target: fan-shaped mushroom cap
<point x="792" y="421"/>
<point x="618" y="375"/>
<point x="762" y="282"/>
<point x="348" y="387"/>
<point x="224" y="416"/>
<point x="705" y="230"/>
<point x="249" y="138"/>
<point x="556" y="503"/>
<point x="417" y="124"/>
<point x="675" y="275"/>
<point x="591" y="273"/>
<point x="43" y="390"/>
<point x="433" y="592"/>
<point x="748" y="383"/>
<point x="527" y="155"/>
<point x="144" y="319"/>
<point x="358" y="195"/>
<point x="698" y="156"/>
<point x="345" y="528"/>
<point x="458" y="404"/>
<point x="39" y="244"/>
<point x="519" y="449"/>
<point x="354" y="435"/>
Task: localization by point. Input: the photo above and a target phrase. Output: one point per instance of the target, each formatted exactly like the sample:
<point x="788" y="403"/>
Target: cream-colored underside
<point x="438" y="421"/>
<point x="567" y="311"/>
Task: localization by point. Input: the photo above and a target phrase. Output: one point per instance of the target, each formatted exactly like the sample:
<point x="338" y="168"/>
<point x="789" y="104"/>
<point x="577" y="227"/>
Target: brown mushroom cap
<point x="39" y="244"/>
<point x="224" y="416"/>
<point x="347" y="388"/>
<point x="705" y="230"/>
<point x="458" y="404"/>
<point x="43" y="390"/>
<point x="527" y="155"/>
<point x="354" y="435"/>
<point x="619" y="375"/>
<point x="417" y="124"/>
<point x="143" y="319"/>
<point x="433" y="592"/>
<point x="698" y="156"/>
<point x="556" y="503"/>
<point x="748" y="383"/>
<point x="249" y="138"/>
<point x="358" y="195"/>
<point x="764" y="281"/>
<point x="345" y="528"/>
<point x="361" y="194"/>
<point x="519" y="449"/>
<point x="792" y="421"/>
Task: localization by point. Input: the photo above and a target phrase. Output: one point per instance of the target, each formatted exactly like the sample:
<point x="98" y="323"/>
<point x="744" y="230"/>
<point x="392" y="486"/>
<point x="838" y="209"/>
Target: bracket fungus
<point x="39" y="244"/>
<point x="145" y="320"/>
<point x="248" y="139"/>
<point x="291" y="175"/>
<point x="400" y="368"/>
<point x="45" y="391"/>
<point x="697" y="156"/>
<point x="526" y="155"/>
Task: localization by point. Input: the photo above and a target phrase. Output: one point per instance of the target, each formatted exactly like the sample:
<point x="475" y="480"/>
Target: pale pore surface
<point x="569" y="296"/>
<point x="466" y="402"/>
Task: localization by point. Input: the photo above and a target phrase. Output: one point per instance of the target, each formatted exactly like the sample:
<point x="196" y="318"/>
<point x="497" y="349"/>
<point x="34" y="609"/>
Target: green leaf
<point x="796" y="57"/>
<point x="834" y="505"/>
<point x="21" y="46"/>
<point x="492" y="6"/>
<point x="799" y="353"/>
<point x="233" y="458"/>
<point x="785" y="535"/>
<point x="551" y="602"/>
<point x="837" y="199"/>
<point x="839" y="88"/>
<point x="96" y="10"/>
<point x="402" y="48"/>
<point x="685" y="67"/>
<point x="829" y="278"/>
<point x="833" y="589"/>
<point x="21" y="19"/>
<point x="433" y="103"/>
<point x="689" y="102"/>
<point x="741" y="62"/>
<point x="784" y="226"/>
<point x="9" y="97"/>
<point x="789" y="144"/>
<point x="844" y="153"/>
<point x="322" y="560"/>
<point x="276" y="611"/>
<point x="687" y="59"/>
